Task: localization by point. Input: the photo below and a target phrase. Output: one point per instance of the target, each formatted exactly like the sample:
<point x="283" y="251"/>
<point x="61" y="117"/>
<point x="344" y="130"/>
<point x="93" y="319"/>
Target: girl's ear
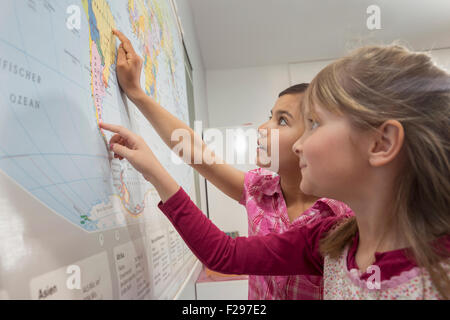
<point x="386" y="143"/>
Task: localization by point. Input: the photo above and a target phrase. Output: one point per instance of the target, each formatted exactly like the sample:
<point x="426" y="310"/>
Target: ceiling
<point x="247" y="33"/>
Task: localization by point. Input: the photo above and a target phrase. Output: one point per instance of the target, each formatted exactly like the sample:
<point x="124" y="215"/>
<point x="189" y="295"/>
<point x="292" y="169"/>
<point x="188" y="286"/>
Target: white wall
<point x="305" y="71"/>
<point x="240" y="96"/>
<point x="227" y="214"/>
<point x="246" y="95"/>
<point x="442" y="58"/>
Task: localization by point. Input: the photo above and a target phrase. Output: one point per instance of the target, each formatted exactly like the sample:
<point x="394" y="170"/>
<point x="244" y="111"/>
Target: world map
<point x="57" y="83"/>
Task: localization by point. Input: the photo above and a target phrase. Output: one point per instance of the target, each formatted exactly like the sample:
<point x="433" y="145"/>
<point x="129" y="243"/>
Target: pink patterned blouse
<point x="267" y="213"/>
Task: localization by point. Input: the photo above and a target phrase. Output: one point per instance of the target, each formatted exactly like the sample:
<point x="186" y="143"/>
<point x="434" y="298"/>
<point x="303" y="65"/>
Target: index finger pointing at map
<point x="124" y="132"/>
<point x="121" y="55"/>
<point x="125" y="41"/>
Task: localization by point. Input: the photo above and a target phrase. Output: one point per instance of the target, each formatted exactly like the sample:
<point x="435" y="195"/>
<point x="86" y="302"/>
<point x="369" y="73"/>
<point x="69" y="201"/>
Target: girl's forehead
<point x="309" y="108"/>
<point x="317" y="111"/>
<point x="290" y="103"/>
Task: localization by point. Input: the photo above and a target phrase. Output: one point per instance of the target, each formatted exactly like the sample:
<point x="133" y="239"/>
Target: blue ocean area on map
<point x="57" y="83"/>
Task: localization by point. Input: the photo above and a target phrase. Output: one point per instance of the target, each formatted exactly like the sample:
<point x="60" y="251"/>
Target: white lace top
<point x="341" y="283"/>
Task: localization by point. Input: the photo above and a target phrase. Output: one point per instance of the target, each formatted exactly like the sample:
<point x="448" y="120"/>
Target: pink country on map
<point x="98" y="86"/>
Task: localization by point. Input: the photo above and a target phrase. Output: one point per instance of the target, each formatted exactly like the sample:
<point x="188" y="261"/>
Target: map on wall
<point x="57" y="81"/>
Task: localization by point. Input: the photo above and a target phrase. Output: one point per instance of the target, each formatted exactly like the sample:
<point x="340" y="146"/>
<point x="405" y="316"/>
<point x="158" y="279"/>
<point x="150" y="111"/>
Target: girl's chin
<point x="263" y="162"/>
<point x="262" y="165"/>
<point x="305" y="187"/>
<point x="267" y="167"/>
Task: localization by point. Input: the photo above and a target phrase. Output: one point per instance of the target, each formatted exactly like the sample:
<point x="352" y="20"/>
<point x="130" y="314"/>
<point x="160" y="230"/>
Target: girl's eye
<point x="313" y="124"/>
<point x="282" y="122"/>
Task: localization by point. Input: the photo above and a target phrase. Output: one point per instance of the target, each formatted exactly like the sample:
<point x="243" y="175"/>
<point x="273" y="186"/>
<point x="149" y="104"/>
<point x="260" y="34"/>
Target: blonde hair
<point x="377" y="83"/>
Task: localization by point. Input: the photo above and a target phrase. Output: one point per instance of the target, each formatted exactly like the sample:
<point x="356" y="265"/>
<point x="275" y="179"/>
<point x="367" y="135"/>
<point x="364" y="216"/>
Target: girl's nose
<point x="262" y="130"/>
<point x="297" y="148"/>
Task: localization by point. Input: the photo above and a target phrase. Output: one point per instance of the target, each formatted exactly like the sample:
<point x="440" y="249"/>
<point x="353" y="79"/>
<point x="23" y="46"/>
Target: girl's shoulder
<point x="322" y="219"/>
<point x="322" y="209"/>
<point x="261" y="175"/>
<point x="260" y="182"/>
<point x="334" y="207"/>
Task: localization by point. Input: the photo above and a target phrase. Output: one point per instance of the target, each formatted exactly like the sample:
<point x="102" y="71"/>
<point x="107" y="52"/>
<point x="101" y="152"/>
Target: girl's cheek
<point x="284" y="144"/>
<point x="309" y="149"/>
<point x="301" y="130"/>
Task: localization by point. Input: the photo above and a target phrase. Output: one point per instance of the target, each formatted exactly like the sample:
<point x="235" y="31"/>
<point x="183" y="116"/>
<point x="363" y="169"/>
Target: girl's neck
<point x="377" y="224"/>
<point x="293" y="196"/>
<point x="373" y="200"/>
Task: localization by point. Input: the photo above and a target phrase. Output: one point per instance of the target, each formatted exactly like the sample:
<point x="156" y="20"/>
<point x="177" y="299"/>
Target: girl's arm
<point x="128" y="145"/>
<point x="294" y="252"/>
<point x="228" y="179"/>
<point x="291" y="253"/>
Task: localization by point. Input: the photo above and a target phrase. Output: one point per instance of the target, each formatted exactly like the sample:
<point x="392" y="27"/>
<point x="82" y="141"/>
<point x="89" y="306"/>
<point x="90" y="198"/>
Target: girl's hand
<point x="129" y="67"/>
<point x="128" y="145"/>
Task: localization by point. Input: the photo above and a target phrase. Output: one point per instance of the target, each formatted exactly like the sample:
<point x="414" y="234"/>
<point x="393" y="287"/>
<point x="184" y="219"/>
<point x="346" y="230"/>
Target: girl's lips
<point x="261" y="145"/>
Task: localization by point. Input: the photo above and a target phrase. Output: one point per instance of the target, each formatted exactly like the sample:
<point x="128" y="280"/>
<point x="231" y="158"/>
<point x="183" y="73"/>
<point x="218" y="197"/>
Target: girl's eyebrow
<point x="282" y="112"/>
<point x="308" y="113"/>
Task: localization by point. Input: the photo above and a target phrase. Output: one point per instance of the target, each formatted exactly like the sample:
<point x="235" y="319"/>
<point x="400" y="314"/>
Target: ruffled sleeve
<point x="260" y="182"/>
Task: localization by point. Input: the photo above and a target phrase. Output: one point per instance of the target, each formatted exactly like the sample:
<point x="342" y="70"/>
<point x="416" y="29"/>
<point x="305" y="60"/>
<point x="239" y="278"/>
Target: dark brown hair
<point x="295" y="89"/>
